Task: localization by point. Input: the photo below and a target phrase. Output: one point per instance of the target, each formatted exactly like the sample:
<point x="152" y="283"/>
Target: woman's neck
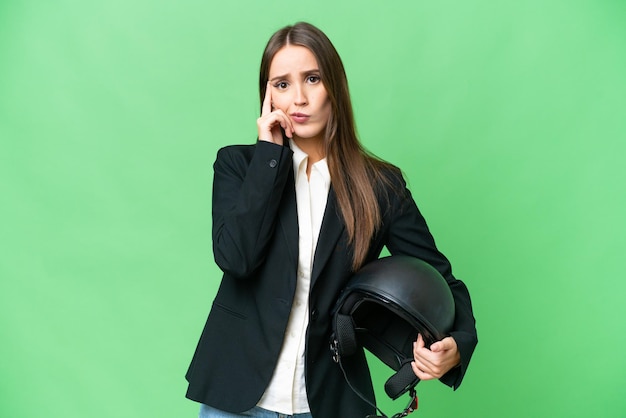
<point x="314" y="148"/>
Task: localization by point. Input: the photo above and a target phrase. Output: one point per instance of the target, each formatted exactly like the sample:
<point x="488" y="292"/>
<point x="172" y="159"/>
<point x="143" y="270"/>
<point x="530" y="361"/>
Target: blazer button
<point x="273" y="163"/>
<point x="314" y="314"/>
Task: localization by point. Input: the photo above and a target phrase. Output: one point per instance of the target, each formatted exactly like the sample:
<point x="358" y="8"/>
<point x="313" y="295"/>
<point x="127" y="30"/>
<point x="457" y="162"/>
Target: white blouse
<point x="286" y="393"/>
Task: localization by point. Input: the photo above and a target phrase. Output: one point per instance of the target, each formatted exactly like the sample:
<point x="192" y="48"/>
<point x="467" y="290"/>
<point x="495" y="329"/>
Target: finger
<point x="424" y="361"/>
<point x="421" y="354"/>
<point x="267" y="100"/>
<point x="423" y="375"/>
<point x="418" y="344"/>
<point x="285" y="122"/>
<point x="447" y="343"/>
<point x="269" y="126"/>
<point x="428" y="369"/>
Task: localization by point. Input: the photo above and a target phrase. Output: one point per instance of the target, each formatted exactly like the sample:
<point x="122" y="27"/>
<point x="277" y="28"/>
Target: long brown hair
<point x="354" y="172"/>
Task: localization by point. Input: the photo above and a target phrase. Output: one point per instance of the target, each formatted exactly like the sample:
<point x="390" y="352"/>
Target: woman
<point x="294" y="216"/>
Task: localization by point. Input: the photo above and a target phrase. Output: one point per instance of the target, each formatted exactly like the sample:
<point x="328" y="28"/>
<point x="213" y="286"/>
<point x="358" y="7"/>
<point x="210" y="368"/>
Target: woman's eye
<point x="313" y="79"/>
<point x="281" y="85"/>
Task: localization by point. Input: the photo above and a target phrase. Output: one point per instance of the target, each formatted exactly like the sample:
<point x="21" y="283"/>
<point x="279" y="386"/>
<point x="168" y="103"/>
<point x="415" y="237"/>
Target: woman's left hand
<point x="433" y="363"/>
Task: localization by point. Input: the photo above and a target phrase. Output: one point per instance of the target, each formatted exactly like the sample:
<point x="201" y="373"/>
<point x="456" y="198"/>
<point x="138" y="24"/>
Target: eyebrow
<point x="307" y="72"/>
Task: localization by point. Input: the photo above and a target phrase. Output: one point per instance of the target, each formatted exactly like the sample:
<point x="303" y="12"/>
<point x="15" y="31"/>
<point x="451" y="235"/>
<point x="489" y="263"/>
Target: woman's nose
<point x="300" y="96"/>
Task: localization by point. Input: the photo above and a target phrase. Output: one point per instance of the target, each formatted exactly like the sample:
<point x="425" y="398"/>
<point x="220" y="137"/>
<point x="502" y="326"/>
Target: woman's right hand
<point x="271" y="121"/>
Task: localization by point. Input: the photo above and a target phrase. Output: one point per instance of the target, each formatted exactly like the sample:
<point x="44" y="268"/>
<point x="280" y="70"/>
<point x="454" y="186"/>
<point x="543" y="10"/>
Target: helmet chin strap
<point x="412" y="406"/>
<point x="395" y="386"/>
<point x="401" y="381"/>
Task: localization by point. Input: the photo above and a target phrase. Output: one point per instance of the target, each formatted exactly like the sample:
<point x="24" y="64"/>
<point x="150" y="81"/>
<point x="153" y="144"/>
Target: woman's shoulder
<point x="388" y="174"/>
<point x="390" y="185"/>
<point x="235" y="150"/>
<point x="248" y="150"/>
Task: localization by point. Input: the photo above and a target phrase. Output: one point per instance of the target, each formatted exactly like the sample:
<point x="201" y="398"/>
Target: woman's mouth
<point x="300" y="117"/>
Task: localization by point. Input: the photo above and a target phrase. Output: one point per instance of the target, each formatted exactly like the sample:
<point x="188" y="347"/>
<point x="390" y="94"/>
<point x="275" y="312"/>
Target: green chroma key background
<point x="508" y="119"/>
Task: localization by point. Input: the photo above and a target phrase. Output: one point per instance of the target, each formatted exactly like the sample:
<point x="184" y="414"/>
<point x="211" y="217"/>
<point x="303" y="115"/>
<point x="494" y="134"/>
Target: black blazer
<point x="255" y="243"/>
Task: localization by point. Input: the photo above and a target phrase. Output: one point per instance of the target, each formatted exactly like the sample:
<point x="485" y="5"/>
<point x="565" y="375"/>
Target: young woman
<point x="294" y="216"/>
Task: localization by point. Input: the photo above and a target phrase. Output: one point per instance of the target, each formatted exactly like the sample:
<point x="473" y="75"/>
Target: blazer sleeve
<point x="248" y="184"/>
<point x="408" y="234"/>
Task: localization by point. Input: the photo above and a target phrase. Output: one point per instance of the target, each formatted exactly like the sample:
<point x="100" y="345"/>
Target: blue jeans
<point x="256" y="412"/>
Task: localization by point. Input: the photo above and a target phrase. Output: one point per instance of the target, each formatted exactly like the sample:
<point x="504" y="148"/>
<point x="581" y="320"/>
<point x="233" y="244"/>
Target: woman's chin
<point x="304" y="135"/>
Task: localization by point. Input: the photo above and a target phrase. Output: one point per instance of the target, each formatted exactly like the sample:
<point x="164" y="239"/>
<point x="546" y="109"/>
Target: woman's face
<point x="297" y="90"/>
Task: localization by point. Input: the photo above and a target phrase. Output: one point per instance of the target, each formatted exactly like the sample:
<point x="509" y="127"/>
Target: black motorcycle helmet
<point x="383" y="308"/>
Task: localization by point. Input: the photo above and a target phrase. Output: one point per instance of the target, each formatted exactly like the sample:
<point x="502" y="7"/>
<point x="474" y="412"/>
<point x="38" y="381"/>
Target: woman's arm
<point x="408" y="234"/>
<point x="247" y="190"/>
<point x="248" y="186"/>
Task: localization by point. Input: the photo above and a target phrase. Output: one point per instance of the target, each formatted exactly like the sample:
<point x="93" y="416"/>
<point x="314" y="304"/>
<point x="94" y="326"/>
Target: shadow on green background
<point x="507" y="118"/>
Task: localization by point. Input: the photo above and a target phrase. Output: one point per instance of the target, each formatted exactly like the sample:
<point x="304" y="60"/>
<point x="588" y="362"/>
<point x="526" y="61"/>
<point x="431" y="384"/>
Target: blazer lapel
<point x="330" y="231"/>
<point x="288" y="218"/>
